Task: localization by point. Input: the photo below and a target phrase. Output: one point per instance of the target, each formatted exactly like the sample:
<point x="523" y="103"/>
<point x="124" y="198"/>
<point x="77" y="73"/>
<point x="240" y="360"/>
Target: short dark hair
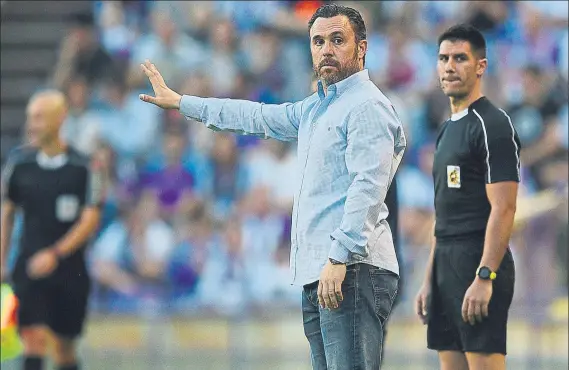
<point x="469" y="33"/>
<point x="332" y="10"/>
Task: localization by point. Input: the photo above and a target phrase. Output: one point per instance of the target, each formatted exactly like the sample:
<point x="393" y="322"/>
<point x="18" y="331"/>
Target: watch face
<point x="484" y="273"/>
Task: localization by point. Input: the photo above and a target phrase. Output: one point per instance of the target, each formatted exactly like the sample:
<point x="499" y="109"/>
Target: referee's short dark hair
<point x="466" y="32"/>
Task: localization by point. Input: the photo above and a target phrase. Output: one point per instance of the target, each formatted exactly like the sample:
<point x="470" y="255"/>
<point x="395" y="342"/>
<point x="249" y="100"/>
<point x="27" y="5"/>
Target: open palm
<point x="165" y="97"/>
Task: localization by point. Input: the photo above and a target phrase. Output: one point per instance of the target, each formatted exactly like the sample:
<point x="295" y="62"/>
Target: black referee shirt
<point x="477" y="146"/>
<point x="52" y="193"/>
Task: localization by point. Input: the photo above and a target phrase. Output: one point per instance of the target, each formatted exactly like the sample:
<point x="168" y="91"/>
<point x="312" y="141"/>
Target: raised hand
<point x="165" y="97"/>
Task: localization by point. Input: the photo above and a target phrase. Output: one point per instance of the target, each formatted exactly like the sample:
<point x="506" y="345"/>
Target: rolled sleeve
<point x="338" y="252"/>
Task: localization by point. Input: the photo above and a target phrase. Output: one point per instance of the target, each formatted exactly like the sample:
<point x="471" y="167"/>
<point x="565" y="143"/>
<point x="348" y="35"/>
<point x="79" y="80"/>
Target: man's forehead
<point x="325" y="26"/>
<point x="46" y="103"/>
<point x="455" y="47"/>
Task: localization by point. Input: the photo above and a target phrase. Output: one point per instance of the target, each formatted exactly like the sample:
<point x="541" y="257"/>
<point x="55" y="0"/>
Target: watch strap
<point x="334" y="262"/>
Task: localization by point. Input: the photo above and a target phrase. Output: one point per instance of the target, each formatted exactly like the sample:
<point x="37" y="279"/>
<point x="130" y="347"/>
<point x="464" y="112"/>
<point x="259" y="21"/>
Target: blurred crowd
<point x="197" y="219"/>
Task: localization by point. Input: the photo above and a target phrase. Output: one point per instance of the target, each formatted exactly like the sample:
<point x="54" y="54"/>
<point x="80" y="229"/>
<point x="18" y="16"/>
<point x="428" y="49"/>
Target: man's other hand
<point x="330" y="285"/>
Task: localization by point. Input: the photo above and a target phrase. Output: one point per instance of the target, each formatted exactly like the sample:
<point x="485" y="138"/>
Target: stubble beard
<point x="453" y="94"/>
<point x="341" y="73"/>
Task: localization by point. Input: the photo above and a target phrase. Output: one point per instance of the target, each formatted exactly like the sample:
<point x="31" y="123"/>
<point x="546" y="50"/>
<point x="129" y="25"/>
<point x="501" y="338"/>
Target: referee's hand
<point x="421" y="302"/>
<point x="42" y="264"/>
<point x="476" y="300"/>
<point x="165" y="97"/>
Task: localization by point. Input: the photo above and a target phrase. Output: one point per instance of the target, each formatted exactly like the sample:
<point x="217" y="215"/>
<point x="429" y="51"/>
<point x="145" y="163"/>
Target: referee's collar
<point x="458" y="115"/>
<point x="341" y="86"/>
<point x="463" y="113"/>
<point x="51" y="163"/>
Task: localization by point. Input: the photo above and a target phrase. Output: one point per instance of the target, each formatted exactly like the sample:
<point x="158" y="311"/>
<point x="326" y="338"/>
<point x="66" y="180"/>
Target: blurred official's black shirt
<point x="51" y="193"/>
<point x="477" y="146"/>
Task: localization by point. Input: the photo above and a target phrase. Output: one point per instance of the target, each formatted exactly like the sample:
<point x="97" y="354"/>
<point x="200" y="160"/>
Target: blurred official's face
<point x="44" y="118"/>
<point x="335" y="52"/>
<point x="458" y="68"/>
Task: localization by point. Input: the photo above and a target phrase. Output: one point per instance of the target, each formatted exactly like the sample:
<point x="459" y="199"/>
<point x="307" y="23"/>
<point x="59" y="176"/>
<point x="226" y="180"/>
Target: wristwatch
<point x="334" y="262"/>
<point x="485" y="273"/>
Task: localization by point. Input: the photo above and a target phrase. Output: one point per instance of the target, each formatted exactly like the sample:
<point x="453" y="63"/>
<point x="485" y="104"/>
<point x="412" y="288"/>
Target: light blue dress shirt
<point x="350" y="144"/>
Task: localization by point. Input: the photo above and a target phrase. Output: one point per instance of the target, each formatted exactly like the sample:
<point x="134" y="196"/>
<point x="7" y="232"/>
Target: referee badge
<point x="453" y="177"/>
<point x="67" y="208"/>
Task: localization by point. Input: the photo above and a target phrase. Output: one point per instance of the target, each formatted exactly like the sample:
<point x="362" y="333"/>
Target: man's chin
<point x="455" y="94"/>
<point x="330" y="78"/>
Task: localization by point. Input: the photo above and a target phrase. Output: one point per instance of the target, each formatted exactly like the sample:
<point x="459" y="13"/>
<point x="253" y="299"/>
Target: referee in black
<point x="59" y="195"/>
<point x="469" y="283"/>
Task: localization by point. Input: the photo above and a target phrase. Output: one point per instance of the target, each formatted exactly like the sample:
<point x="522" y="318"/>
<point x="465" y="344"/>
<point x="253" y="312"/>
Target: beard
<point x="341" y="71"/>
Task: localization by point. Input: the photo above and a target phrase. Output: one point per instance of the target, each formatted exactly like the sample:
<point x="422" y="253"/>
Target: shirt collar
<point x="342" y="86"/>
<point x="47" y="162"/>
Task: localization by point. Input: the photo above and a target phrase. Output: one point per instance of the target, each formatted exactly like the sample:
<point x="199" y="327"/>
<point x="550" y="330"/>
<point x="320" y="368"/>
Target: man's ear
<point x="481" y="67"/>
<point x="362" y="48"/>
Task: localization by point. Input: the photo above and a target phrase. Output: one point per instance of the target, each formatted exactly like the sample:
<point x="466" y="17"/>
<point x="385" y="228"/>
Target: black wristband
<point x="334" y="262"/>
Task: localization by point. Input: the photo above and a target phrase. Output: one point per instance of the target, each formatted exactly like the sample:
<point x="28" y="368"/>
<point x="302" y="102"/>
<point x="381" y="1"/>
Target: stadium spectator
<point x="83" y="122"/>
<point x="82" y="54"/>
<point x="130" y="257"/>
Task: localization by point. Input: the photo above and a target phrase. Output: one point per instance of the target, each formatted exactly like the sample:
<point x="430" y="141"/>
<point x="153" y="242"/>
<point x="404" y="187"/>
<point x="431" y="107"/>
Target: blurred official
<point x="59" y="196"/>
<point x="469" y="283"/>
<point x="350" y="144"/>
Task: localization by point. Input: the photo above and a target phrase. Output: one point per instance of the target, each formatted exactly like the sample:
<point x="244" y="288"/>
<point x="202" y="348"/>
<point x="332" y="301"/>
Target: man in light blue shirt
<point x="350" y="144"/>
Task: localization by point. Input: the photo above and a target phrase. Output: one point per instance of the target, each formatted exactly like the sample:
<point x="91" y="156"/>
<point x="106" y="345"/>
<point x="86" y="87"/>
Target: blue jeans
<point x="351" y="336"/>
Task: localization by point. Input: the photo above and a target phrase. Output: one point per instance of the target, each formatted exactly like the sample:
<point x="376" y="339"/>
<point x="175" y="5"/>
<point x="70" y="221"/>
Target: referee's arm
<point x="500" y="147"/>
<point x="9" y="195"/>
<point x="89" y="219"/>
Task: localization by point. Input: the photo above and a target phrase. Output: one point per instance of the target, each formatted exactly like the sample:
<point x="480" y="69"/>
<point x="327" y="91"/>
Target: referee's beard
<point x="342" y="72"/>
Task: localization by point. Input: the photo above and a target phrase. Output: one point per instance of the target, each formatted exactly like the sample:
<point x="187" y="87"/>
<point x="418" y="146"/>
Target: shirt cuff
<point x="338" y="252"/>
<point x="191" y="107"/>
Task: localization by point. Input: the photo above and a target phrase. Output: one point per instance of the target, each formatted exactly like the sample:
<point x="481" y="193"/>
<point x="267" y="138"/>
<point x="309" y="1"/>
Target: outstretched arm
<point x="279" y="122"/>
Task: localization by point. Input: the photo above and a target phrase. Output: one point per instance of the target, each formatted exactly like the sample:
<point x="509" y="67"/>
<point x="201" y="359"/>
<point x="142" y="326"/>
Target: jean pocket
<point x="384" y="284"/>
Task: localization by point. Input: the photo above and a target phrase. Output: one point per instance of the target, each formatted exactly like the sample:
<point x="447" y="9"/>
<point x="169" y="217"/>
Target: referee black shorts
<point x="59" y="304"/>
<point x="454" y="270"/>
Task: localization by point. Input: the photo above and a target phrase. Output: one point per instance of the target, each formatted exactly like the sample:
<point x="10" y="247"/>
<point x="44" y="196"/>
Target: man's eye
<point x="337" y="41"/>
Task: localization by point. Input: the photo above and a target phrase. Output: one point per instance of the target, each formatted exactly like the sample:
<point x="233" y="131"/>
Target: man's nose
<point x="450" y="66"/>
<point x="327" y="49"/>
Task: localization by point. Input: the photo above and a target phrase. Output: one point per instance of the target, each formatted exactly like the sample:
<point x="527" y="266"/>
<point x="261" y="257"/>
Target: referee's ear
<point x="481" y="67"/>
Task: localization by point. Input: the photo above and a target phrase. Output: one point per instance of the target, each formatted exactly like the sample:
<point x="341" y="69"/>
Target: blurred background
<point x="190" y="266"/>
